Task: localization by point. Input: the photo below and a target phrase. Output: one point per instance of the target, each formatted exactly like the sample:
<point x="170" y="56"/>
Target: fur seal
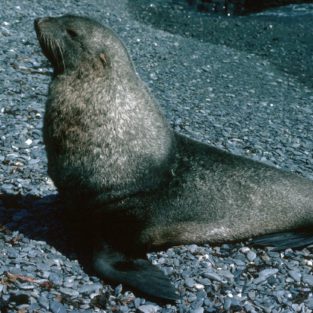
<point x="120" y="167"/>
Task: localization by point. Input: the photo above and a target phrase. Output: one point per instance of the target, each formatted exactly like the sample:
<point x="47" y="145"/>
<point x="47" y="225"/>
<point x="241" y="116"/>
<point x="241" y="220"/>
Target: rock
<point x="57" y="307"/>
<point x="148" y="308"/>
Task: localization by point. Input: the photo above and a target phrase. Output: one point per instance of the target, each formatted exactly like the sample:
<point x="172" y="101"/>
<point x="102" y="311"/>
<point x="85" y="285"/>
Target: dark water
<point x="282" y="35"/>
<point x="219" y="7"/>
<point x="294" y="10"/>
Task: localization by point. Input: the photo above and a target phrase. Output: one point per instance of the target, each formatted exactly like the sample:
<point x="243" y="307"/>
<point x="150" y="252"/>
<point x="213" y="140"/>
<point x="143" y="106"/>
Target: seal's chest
<point x="64" y="125"/>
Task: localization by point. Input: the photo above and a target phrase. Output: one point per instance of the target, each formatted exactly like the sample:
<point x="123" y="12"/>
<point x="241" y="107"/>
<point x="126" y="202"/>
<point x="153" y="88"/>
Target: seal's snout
<point x="39" y="21"/>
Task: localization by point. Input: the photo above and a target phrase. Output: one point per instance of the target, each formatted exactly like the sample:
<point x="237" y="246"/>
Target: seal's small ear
<point x="103" y="59"/>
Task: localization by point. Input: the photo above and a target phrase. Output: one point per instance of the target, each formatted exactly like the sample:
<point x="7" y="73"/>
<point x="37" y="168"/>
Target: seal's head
<point x="70" y="42"/>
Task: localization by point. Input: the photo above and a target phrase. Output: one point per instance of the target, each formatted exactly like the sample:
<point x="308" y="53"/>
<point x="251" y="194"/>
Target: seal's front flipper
<point x="136" y="273"/>
<point x="281" y="241"/>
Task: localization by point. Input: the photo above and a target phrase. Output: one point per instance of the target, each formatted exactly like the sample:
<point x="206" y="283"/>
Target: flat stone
<point x="57" y="307"/>
<point x="308" y="279"/>
<point x="69" y="292"/>
<point x="148" y="308"/>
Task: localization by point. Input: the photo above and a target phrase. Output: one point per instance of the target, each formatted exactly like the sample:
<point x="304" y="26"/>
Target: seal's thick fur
<point x="119" y="166"/>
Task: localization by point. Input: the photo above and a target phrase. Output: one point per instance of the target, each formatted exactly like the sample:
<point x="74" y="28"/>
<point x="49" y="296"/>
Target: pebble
<point x="214" y="276"/>
<point x="309" y="303"/>
<point x="251" y="256"/>
<point x="308" y="279"/>
<point x="295" y="275"/>
<point x="26" y="286"/>
<point x="148" y="308"/>
<point x="44" y="302"/>
<point x="265" y="274"/>
<point x="199" y="310"/>
<point x="69" y="292"/>
<point x="55" y="279"/>
<point x="227" y="303"/>
<point x="90" y="288"/>
<point x="189" y="282"/>
<point x="57" y="307"/>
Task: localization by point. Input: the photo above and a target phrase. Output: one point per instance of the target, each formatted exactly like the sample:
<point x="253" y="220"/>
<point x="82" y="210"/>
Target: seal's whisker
<point x="59" y="46"/>
<point x="54" y="50"/>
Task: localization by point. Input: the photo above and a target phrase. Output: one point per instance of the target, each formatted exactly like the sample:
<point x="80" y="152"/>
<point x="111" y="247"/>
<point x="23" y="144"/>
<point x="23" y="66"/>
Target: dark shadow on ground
<point x="287" y="42"/>
<point x="44" y="219"/>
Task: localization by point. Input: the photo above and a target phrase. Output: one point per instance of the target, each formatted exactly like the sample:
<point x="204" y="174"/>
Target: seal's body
<point x="117" y="163"/>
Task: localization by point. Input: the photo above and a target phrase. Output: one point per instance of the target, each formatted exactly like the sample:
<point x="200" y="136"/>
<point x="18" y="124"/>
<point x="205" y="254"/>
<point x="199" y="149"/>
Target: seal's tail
<point x="280" y="241"/>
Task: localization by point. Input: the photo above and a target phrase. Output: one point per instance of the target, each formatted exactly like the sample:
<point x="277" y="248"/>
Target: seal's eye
<point x="71" y="32"/>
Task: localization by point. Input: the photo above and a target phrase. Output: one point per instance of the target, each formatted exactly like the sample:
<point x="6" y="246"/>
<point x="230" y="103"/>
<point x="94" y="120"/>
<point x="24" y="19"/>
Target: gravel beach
<point x="243" y="84"/>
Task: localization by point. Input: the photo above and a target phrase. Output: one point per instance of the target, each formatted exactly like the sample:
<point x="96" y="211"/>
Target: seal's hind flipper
<point x="138" y="274"/>
<point x="281" y="241"/>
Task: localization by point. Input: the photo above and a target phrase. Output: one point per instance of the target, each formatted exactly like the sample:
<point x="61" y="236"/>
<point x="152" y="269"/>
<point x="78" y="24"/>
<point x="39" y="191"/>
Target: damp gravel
<point x="243" y="84"/>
